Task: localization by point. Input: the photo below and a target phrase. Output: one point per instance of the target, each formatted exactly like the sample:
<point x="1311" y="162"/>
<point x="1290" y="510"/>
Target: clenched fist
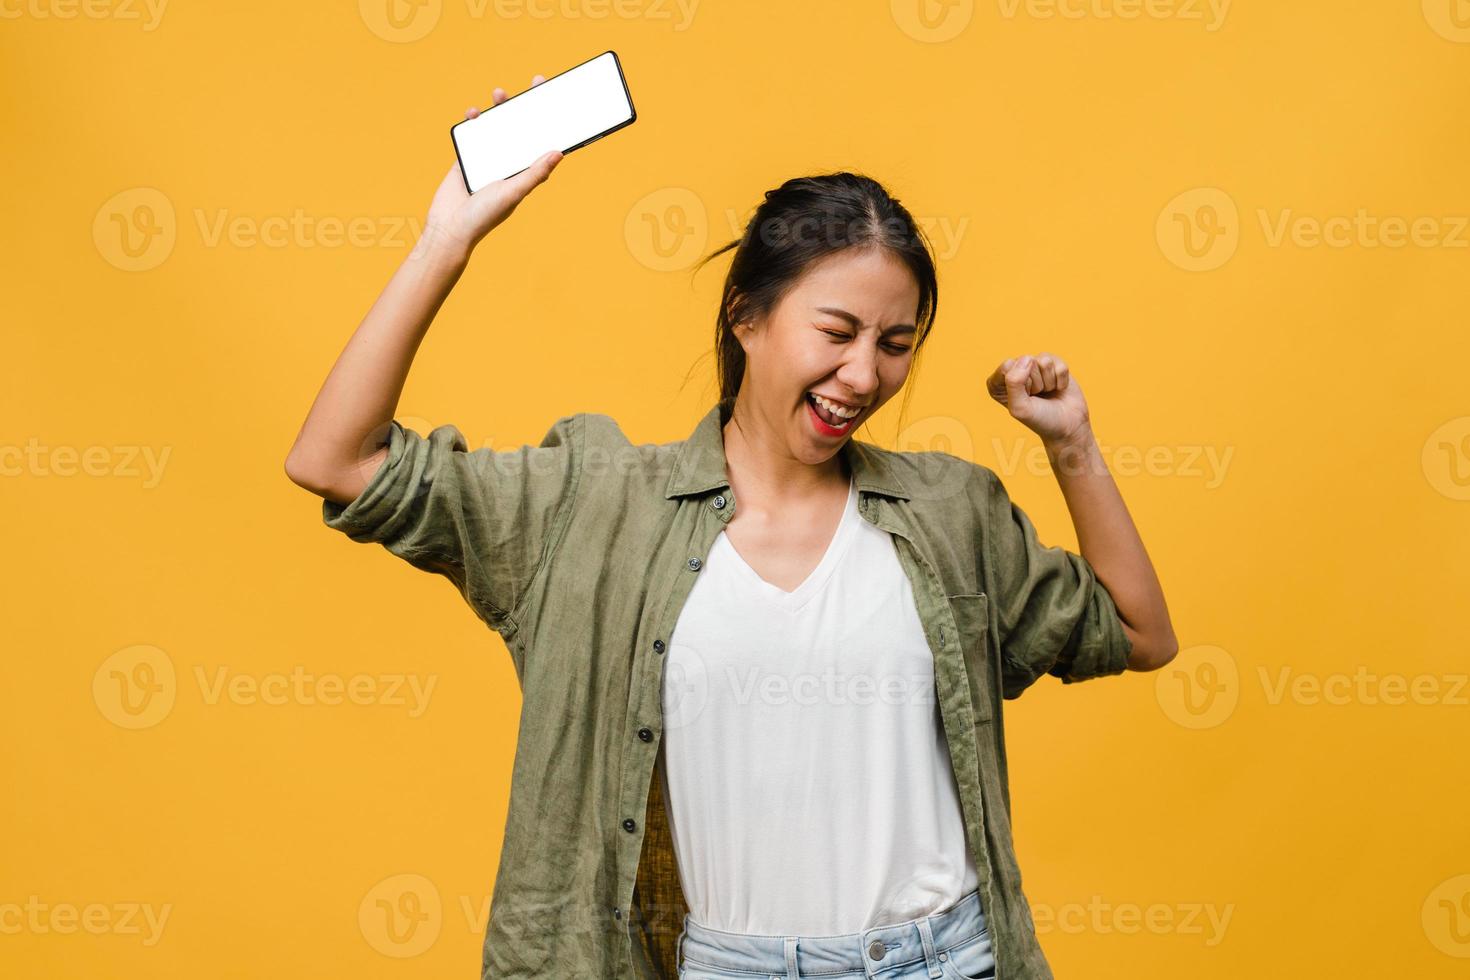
<point x="1041" y="394"/>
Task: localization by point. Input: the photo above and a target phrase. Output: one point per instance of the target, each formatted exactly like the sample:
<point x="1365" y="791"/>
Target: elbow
<point x="1153" y="653"/>
<point x="303" y="475"/>
<point x="294" y="470"/>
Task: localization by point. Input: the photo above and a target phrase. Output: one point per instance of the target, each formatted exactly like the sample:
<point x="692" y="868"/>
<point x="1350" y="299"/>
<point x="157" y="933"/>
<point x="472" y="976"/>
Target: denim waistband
<point x="873" y="952"/>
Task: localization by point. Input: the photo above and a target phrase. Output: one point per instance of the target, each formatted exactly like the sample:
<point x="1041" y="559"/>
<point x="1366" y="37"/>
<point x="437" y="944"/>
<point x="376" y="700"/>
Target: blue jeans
<point x="953" y="944"/>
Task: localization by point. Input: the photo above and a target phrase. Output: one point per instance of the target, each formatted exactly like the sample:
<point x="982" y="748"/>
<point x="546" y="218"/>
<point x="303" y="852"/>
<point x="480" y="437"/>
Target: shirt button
<point x="646" y="734"/>
<point x="617" y="913"/>
<point x="876" y="949"/>
<point x="658" y="646"/>
<point x="629" y="825"/>
<point x="719" y="501"/>
<point x="694" y="564"/>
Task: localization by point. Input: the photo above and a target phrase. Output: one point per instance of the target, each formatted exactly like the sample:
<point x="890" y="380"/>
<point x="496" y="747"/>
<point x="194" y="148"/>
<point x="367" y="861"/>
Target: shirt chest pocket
<point x="972" y="619"/>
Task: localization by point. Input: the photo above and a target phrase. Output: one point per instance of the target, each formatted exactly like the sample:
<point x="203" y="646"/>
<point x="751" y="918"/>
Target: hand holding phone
<point x="459" y="219"/>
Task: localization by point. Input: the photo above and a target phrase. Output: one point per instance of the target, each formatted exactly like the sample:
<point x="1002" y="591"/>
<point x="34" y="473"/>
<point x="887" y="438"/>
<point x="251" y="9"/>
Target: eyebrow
<point x="857" y="323"/>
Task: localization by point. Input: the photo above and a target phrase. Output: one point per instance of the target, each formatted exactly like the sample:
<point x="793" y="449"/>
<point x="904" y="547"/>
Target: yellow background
<point x="1199" y="822"/>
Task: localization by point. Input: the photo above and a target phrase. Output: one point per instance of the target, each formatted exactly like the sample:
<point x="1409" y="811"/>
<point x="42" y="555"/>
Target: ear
<point x="742" y="329"/>
<point x="745" y="332"/>
<point x="730" y="313"/>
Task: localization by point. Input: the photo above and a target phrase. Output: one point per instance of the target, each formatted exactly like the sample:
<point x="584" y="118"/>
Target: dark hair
<point x="801" y="221"/>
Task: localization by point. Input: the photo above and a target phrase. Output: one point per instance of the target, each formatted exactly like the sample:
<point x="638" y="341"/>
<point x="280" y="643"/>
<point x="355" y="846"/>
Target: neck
<point x="760" y="464"/>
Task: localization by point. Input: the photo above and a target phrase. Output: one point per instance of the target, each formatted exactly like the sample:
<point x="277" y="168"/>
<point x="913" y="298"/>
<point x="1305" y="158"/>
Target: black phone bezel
<point x="625" y="123"/>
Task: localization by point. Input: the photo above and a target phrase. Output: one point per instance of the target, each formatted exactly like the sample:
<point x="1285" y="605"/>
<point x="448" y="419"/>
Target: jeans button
<point x="876" y="949"/>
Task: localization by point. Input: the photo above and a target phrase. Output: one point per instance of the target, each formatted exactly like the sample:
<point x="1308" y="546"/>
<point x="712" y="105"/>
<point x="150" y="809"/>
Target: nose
<point x="858" y="371"/>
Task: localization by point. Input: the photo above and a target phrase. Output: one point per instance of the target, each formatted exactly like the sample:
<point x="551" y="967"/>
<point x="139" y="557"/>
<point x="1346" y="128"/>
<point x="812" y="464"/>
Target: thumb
<point x="1016" y="377"/>
<point x="524" y="182"/>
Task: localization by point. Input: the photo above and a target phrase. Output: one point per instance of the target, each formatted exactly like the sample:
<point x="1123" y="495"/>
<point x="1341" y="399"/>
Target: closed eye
<point x="893" y="348"/>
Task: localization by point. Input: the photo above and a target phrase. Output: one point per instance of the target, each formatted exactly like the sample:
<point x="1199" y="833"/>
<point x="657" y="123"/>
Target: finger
<point x="537" y="80"/>
<point x="1017" y="378"/>
<point x="1048" y="367"/>
<point x="471" y="112"/>
<point x="497" y="96"/>
<point x="1034" y="384"/>
<point x="995" y="385"/>
<point x="524" y="182"/>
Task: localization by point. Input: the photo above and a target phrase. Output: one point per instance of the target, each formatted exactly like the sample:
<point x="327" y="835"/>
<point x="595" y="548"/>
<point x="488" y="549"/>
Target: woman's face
<point x="844" y="331"/>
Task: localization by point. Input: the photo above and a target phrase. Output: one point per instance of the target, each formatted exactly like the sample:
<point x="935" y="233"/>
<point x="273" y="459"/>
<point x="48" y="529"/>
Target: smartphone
<point x="564" y="112"/>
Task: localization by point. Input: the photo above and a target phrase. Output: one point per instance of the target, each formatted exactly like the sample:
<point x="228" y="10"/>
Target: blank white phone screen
<point x="556" y="115"/>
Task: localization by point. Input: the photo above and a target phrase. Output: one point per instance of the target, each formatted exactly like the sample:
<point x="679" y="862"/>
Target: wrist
<point x="1074" y="452"/>
<point x="442" y="247"/>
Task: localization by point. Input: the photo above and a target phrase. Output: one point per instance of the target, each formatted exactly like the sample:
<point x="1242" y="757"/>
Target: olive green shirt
<point x="580" y="553"/>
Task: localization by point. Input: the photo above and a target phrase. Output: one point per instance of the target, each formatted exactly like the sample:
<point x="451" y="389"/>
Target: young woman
<point x="762" y="667"/>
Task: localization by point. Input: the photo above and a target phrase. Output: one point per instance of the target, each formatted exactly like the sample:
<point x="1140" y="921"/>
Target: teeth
<point x="834" y="408"/>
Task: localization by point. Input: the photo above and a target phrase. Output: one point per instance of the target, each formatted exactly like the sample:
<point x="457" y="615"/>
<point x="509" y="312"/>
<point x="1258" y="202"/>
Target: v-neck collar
<point x="812" y="584"/>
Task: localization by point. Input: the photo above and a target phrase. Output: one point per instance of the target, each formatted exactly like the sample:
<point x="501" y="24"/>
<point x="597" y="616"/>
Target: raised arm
<point x="1040" y="393"/>
<point x="345" y="436"/>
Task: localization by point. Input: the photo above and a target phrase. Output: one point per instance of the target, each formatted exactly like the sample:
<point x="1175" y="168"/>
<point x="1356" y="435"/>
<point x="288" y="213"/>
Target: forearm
<point x="340" y="443"/>
<point x="1109" y="541"/>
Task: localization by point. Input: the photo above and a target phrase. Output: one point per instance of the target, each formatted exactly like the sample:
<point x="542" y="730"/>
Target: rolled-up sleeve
<point x="1053" y="614"/>
<point x="486" y="519"/>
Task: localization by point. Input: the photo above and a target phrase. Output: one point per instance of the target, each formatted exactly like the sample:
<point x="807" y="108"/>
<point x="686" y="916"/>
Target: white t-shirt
<point x="809" y="784"/>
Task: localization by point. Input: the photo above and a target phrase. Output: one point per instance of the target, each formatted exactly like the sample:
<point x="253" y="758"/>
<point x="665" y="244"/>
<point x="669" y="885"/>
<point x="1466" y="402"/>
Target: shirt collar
<point x="700" y="464"/>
